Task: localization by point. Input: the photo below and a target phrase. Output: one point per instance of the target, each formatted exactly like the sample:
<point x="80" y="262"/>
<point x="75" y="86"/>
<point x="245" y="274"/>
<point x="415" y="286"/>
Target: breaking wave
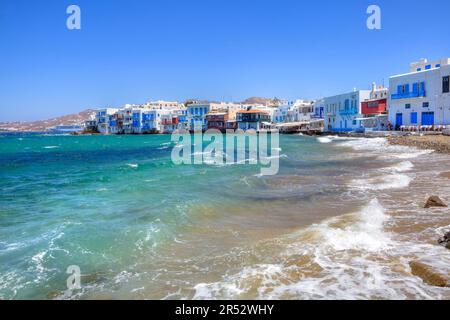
<point x="335" y="263"/>
<point x="384" y="182"/>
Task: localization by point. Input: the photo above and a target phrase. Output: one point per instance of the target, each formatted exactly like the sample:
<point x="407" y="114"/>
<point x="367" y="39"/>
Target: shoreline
<point x="437" y="143"/>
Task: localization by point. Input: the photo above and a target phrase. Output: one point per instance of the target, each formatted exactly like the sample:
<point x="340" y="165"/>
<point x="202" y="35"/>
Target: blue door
<point x="399" y="119"/>
<point x="427" y="118"/>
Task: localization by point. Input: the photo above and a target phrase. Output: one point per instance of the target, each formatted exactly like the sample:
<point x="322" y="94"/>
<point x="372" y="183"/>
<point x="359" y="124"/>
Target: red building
<point x="374" y="107"/>
<point x="377" y="104"/>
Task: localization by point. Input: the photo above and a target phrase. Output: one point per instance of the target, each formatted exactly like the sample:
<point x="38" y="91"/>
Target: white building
<point x="137" y="119"/>
<point x="150" y="121"/>
<point x="342" y="111"/>
<point x="196" y="115"/>
<point x="300" y="111"/>
<point x="163" y="105"/>
<point x="319" y="109"/>
<point x="168" y="121"/>
<point x="421" y="97"/>
<point x="279" y="113"/>
<point x="102" y="118"/>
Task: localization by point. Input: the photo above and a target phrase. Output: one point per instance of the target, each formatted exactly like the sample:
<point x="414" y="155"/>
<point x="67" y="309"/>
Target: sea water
<point x="341" y="219"/>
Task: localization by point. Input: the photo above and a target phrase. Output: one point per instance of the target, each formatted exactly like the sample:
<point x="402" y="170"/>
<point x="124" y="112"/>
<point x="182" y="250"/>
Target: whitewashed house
<point x="343" y="111"/>
<point x="300" y="111"/>
<point x="102" y="118"/>
<point x="421" y="97"/>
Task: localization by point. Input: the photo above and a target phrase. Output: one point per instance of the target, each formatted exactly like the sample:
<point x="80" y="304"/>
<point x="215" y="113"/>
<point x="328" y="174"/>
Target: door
<point x="399" y="119"/>
<point x="427" y="118"/>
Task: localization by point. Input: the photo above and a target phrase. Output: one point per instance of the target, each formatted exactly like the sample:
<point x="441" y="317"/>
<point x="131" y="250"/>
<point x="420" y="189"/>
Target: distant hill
<point x="43" y="125"/>
<point x="259" y="100"/>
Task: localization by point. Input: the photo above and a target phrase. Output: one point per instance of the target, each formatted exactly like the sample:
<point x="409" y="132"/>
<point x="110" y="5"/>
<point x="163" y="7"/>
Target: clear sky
<point x="131" y="51"/>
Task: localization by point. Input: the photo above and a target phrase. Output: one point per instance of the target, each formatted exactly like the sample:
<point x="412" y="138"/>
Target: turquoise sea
<point x="141" y="227"/>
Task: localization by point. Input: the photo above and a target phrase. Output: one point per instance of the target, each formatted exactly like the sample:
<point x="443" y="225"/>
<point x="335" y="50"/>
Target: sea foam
<point x="338" y="249"/>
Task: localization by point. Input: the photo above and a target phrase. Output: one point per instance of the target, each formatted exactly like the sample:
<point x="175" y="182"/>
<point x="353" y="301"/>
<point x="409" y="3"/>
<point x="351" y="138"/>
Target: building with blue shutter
<point x="421" y="97"/>
<point x="196" y="115"/>
<point x="343" y="111"/>
<point x="104" y="118"/>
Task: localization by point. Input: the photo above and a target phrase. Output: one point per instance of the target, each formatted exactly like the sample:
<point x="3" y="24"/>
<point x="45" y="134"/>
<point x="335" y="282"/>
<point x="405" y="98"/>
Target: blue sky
<point x="135" y="50"/>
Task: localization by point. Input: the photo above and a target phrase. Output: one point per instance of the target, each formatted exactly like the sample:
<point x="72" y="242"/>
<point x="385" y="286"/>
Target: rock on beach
<point x="434" y="201"/>
<point x="431" y="275"/>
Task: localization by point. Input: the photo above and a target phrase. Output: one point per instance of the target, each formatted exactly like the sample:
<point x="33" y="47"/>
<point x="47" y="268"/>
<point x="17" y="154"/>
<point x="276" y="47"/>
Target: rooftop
<point x="252" y="111"/>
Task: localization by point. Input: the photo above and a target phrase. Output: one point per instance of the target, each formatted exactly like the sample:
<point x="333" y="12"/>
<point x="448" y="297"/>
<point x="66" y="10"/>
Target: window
<point x="413" y="117"/>
<point x="372" y="104"/>
<point x="408" y="106"/>
<point x="426" y="104"/>
<point x="428" y="67"/>
<point x="438" y="65"/>
<point x="404" y="88"/>
<point x="419" y="69"/>
<point x="445" y="84"/>
<point x="421" y="86"/>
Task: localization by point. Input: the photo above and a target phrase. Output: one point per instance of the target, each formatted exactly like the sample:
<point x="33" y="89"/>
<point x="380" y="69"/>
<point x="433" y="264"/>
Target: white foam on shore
<point x="133" y="165"/>
<point x="333" y="250"/>
<point x="329" y="139"/>
<point x="51" y="147"/>
<point x="382" y="148"/>
<point x="402" y="166"/>
<point x="366" y="234"/>
<point x="384" y="182"/>
<point x="324" y="139"/>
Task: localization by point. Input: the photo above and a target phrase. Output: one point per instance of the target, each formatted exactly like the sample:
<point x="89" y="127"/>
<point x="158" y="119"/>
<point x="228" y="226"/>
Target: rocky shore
<point x="438" y="143"/>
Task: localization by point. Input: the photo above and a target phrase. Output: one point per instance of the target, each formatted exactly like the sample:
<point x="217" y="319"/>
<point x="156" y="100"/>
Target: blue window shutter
<point x="399" y="89"/>
<point x="407" y="88"/>
<point x="416" y="88"/>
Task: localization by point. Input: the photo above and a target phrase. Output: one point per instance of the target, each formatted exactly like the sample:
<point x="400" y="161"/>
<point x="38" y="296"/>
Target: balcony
<point x="346" y="112"/>
<point x="168" y="122"/>
<point x="409" y="95"/>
